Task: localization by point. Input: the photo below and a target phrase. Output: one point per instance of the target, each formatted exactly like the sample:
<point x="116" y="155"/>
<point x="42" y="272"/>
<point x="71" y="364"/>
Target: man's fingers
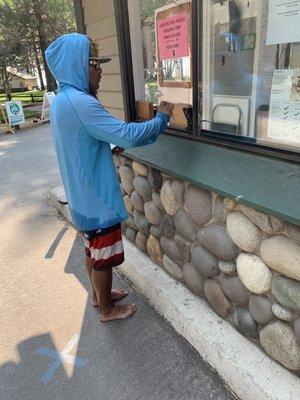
<point x="166" y="107"/>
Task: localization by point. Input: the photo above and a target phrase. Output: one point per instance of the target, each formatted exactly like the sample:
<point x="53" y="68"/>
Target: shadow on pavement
<point x="141" y="358"/>
<point x="24" y="380"/>
<point x="56" y="242"/>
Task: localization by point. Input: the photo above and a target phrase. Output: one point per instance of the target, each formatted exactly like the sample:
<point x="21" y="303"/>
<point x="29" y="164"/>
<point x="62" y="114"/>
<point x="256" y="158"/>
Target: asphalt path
<point x="52" y="343"/>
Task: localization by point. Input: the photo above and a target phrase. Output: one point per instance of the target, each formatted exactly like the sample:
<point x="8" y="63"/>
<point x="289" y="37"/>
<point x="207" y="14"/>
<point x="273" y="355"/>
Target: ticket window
<point x="251" y="70"/>
<point x="166" y="62"/>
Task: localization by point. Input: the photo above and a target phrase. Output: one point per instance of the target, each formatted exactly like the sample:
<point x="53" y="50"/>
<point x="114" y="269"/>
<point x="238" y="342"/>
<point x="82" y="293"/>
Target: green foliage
<point x="147" y="9"/>
<point x="25" y="97"/>
<point x="152" y="86"/>
<point x="147" y="16"/>
<point x="27" y="27"/>
<point x="10" y="48"/>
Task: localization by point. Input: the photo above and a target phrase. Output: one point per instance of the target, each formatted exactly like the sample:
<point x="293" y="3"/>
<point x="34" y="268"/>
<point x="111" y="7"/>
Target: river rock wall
<point x="244" y="262"/>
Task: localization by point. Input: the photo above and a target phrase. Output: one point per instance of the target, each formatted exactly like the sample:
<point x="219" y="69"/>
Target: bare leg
<point x="116" y="294"/>
<point x="102" y="282"/>
<point x="89" y="268"/>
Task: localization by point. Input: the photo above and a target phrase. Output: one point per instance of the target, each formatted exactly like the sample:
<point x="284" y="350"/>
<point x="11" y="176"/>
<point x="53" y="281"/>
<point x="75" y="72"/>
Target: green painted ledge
<point x="268" y="184"/>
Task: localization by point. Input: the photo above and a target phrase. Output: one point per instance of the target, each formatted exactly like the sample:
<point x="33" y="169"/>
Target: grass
<point x="31" y="114"/>
<point x="25" y="97"/>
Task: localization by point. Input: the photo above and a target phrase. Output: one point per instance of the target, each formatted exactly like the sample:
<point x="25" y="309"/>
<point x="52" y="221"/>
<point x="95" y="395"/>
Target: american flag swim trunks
<point x="105" y="247"/>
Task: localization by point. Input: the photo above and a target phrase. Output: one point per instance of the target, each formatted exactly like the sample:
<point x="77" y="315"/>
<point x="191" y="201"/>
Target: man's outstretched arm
<point x="103" y="126"/>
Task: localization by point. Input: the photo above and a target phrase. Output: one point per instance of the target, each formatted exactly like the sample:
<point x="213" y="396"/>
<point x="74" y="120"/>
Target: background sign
<point x="172" y="36"/>
<point x="248" y="42"/>
<point x="47" y="103"/>
<point x="283" y="22"/>
<point x="284" y="116"/>
<point x="50" y="96"/>
<point x="15" y="112"/>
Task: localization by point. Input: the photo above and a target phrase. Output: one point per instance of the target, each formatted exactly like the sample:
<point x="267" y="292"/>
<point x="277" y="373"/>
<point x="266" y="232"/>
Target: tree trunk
<point x="6" y="84"/>
<point x="51" y="84"/>
<point x="2" y="83"/>
<point x="38" y="66"/>
<point x="50" y="81"/>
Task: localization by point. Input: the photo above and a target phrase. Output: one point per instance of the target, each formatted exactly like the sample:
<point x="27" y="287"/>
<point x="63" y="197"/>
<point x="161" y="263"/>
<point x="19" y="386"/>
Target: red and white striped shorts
<point x="105" y="247"/>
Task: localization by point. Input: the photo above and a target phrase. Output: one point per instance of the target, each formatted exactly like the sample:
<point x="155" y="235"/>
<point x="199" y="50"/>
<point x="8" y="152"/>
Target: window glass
<point x="165" y="31"/>
<point x="251" y="70"/>
<point x="178" y="70"/>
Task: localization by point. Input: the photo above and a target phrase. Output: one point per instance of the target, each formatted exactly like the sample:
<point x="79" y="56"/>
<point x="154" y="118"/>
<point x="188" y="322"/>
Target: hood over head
<point x="68" y="59"/>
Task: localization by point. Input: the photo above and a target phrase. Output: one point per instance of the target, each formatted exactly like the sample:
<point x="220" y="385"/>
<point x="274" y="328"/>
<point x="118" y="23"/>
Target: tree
<point x="10" y="55"/>
<point x="147" y="14"/>
<point x="147" y="10"/>
<point x="13" y="22"/>
<point x="36" y="24"/>
<point x="6" y="58"/>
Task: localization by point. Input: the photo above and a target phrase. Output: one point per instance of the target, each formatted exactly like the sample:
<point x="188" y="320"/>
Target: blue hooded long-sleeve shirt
<point x="82" y="132"/>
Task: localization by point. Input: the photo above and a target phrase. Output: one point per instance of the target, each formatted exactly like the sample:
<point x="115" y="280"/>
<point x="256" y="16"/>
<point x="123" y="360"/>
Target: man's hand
<point x="166" y="107"/>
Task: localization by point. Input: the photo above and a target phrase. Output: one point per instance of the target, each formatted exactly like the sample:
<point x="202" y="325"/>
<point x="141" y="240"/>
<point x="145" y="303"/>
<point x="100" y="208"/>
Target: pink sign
<point x="172" y="35"/>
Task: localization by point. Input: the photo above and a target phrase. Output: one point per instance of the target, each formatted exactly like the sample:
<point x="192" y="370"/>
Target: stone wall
<point x="244" y="262"/>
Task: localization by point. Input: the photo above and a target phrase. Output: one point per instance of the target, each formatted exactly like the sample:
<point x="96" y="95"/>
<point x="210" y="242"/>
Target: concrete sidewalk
<point x="53" y="346"/>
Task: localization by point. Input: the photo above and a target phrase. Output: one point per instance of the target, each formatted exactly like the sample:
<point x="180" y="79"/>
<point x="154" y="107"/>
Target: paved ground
<point x="46" y="322"/>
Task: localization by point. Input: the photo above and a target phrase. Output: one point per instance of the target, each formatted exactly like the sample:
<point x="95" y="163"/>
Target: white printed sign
<point x="50" y="96"/>
<point x="283" y="22"/>
<point x="284" y="116"/>
<point x="15" y="112"/>
<point x="47" y="103"/>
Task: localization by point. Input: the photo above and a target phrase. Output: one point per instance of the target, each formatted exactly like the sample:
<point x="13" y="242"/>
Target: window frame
<point x="209" y="136"/>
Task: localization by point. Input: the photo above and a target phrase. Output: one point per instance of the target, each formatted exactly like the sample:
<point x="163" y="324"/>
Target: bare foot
<point x="121" y="311"/>
<point x="95" y="301"/>
<point x="116" y="294"/>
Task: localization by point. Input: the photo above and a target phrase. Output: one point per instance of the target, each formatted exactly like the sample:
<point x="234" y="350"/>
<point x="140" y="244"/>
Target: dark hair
<point x="93" y="92"/>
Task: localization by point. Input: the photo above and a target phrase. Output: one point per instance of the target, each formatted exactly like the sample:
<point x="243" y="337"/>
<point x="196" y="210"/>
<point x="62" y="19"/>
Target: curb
<point x="55" y="199"/>
<point x="242" y="365"/>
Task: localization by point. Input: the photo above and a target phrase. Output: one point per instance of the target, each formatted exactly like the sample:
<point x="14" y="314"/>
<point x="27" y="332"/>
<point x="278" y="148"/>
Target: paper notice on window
<point x="284" y="21"/>
<point x="172" y="37"/>
<point x="284" y="116"/>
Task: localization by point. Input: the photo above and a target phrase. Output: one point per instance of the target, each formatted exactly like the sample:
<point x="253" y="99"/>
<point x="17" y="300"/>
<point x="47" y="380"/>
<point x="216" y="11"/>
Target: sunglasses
<point x="96" y="64"/>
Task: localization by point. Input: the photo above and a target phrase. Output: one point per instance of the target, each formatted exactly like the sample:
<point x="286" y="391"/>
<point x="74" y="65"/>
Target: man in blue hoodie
<point x="82" y="132"/>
